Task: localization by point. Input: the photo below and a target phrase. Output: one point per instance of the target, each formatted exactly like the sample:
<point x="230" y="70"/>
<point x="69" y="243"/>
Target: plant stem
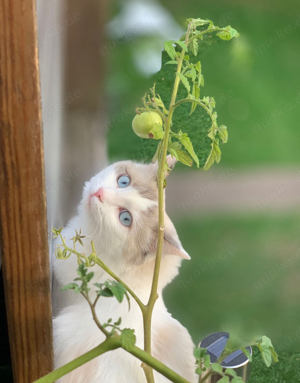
<point x="109" y="344"/>
<point x="205" y="377"/>
<point x="147" y="315"/>
<point x="112" y="274"/>
<point x="112" y="343"/>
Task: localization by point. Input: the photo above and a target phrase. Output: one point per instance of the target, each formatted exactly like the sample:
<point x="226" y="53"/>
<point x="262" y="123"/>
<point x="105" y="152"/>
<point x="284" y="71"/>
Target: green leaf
<point x="182" y="44"/>
<point x="106" y="292"/>
<point x="224" y="35"/>
<point x="207" y="361"/>
<point x="200" y="22"/>
<point x="216" y="367"/>
<point x="194" y="47"/>
<point x="199" y="352"/>
<point x="196" y="94"/>
<point x="70" y="286"/>
<point x="231" y="372"/>
<point x="237" y="379"/>
<point x="228" y="34"/>
<point x="173" y="62"/>
<point x="266" y="354"/>
<point x="119" y="321"/>
<point x="191" y="73"/>
<point x="198" y="67"/>
<point x="128" y="339"/>
<point x="169" y="48"/>
<point x="89" y="276"/>
<point x="267" y="351"/>
<point x="185" y="81"/>
<point x="214" y="155"/>
<point x="159" y="103"/>
<point x="198" y="371"/>
<point x="225" y="379"/>
<point x="186" y="142"/>
<point x="118" y="291"/>
<point x="184" y="158"/>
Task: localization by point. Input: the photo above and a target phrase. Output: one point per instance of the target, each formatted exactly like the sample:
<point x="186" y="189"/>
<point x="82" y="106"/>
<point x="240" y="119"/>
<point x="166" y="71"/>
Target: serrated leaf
<point x="186" y="142"/>
<point x="182" y="44"/>
<point x="211" y="157"/>
<point x="216" y="367"/>
<point x="198" y="67"/>
<point x="159" y="103"/>
<point x="118" y="291"/>
<point x="128" y="339"/>
<point x="184" y="158"/>
<point x="231" y="372"/>
<point x="217" y="153"/>
<point x="89" y="276"/>
<point x="173" y="62"/>
<point x="184" y="81"/>
<point x="200" y="22"/>
<point x="194" y="47"/>
<point x="196" y="95"/>
<point x="169" y="48"/>
<point x="191" y="73"/>
<point x="223" y="133"/>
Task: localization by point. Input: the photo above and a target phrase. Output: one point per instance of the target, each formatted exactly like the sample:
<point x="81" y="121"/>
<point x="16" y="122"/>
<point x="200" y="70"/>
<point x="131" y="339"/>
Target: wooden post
<point x="22" y="197"/>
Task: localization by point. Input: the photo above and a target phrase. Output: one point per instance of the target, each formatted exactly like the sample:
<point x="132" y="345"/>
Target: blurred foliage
<point x="287" y="370"/>
<point x="249" y="268"/>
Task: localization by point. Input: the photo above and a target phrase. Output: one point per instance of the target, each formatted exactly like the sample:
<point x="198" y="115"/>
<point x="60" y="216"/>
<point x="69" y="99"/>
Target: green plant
<point x="179" y="145"/>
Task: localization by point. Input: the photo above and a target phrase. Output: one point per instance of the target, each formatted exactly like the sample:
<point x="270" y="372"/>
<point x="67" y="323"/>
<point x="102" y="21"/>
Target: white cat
<point x="119" y="212"/>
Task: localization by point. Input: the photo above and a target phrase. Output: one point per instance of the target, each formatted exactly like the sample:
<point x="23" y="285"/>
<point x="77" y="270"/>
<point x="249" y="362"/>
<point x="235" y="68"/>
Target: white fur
<point x="74" y="330"/>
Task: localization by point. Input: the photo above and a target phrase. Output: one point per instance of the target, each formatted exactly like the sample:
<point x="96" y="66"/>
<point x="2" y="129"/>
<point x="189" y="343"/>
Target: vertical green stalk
<point x="147" y="315"/>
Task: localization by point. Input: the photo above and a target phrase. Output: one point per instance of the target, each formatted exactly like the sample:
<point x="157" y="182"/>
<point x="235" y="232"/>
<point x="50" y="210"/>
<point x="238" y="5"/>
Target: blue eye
<point x="125" y="218"/>
<point x="123" y="181"/>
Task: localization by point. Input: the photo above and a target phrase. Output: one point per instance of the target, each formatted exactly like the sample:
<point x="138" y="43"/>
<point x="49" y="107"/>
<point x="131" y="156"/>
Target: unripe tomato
<point x="144" y="122"/>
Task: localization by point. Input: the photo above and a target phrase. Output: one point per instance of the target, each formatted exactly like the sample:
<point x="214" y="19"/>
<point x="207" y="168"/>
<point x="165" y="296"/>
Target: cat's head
<point x="122" y="205"/>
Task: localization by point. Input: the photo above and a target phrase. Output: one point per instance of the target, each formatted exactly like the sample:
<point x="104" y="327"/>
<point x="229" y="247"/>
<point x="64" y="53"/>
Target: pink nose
<point x="100" y="194"/>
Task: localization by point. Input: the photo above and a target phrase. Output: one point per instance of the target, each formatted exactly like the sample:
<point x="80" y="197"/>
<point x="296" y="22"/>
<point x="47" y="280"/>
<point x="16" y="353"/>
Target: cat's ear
<point x="172" y="244"/>
<point x="171" y="162"/>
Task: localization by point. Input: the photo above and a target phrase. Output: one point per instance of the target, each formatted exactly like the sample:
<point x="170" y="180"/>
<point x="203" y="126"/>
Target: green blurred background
<point x="244" y="272"/>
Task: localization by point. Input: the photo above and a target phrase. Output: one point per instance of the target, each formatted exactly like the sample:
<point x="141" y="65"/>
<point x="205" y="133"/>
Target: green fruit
<point x="144" y="122"/>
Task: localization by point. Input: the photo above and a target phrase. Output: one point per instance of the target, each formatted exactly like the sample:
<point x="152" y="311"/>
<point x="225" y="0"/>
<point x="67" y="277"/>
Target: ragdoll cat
<point x="119" y="211"/>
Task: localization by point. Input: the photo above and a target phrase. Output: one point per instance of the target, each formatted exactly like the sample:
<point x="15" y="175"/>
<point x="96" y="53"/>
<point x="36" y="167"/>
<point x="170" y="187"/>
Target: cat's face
<point x="122" y="202"/>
